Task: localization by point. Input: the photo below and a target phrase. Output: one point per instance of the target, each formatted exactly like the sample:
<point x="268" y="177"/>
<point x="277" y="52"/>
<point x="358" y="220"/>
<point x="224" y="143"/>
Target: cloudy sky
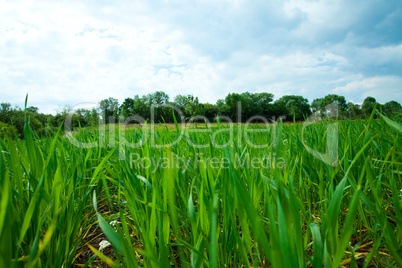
<point x="69" y="52"/>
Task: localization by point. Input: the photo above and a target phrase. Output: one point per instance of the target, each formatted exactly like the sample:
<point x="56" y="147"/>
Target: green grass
<point x="204" y="206"/>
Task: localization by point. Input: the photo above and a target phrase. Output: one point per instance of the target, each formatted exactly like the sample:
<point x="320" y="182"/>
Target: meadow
<point x="226" y="196"/>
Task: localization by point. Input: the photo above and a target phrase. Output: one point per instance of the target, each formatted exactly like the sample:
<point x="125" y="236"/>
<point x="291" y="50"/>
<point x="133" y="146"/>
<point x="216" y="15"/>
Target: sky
<point x="72" y="52"/>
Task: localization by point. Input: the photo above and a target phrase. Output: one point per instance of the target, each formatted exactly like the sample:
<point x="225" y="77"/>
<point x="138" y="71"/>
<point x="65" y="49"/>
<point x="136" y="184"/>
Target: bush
<point x="47" y="131"/>
<point x="7" y="130"/>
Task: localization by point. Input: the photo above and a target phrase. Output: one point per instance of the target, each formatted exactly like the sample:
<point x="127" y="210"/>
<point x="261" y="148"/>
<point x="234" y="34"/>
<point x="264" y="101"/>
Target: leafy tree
<point x="161" y="113"/>
<point x="109" y="109"/>
<point x="189" y="105"/>
<point x="251" y="104"/>
<point x="222" y="108"/>
<point x="18" y="120"/>
<point x="127" y="108"/>
<point x="5" y="107"/>
<point x="158" y="97"/>
<point x="180" y="101"/>
<point x="64" y="109"/>
<point x="333" y="98"/>
<point x="368" y="105"/>
<point x="317" y="105"/>
<point x="194" y="107"/>
<point x="211" y="111"/>
<point x="291" y="106"/>
<point x="62" y="112"/>
<point x="232" y="100"/>
<point x="83" y="117"/>
<point x="295" y="107"/>
<point x="392" y="107"/>
<point x="42" y="118"/>
<point x="292" y="109"/>
<point x="353" y="110"/>
<point x="33" y="109"/>
<point x="7" y="130"/>
<point x="93" y="117"/>
<point x="320" y="104"/>
<point x="264" y="100"/>
<point x="141" y="107"/>
<point x="80" y="118"/>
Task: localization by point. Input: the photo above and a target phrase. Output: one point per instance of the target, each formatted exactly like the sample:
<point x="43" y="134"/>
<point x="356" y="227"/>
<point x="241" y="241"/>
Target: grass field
<point x="211" y="199"/>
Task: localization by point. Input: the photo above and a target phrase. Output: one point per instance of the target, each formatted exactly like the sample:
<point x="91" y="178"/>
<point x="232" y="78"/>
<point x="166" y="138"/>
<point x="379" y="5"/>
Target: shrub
<point x="7" y="130"/>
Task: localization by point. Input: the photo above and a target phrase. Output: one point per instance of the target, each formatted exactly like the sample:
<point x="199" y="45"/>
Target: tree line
<point x="188" y="107"/>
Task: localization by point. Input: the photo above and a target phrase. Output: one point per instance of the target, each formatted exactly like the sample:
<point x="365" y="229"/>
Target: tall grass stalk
<point x="194" y="206"/>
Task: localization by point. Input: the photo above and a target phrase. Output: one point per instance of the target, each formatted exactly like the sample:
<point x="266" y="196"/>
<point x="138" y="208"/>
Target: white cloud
<point x="71" y="52"/>
<point x="383" y="88"/>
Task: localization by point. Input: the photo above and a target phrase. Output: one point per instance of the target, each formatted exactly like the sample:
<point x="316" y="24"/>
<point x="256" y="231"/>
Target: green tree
<point x="392" y="108"/>
<point x="211" y="111"/>
<point x="109" y="110"/>
<point x="141" y="108"/>
<point x="7" y="130"/>
<point x="180" y="101"/>
<point x="264" y="101"/>
<point x="127" y="108"/>
<point x="320" y="104"/>
<point x="296" y="107"/>
<point x="222" y="108"/>
<point x="189" y="105"/>
<point x="33" y="109"/>
<point x="18" y="120"/>
<point x="251" y="104"/>
<point x="5" y="109"/>
<point x="317" y="105"/>
<point x="232" y="100"/>
<point x="158" y="100"/>
<point x="354" y="111"/>
<point x="368" y="105"/>
<point x="338" y="100"/>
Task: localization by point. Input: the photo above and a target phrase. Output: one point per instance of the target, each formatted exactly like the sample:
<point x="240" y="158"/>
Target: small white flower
<point x="114" y="224"/>
<point x="104" y="244"/>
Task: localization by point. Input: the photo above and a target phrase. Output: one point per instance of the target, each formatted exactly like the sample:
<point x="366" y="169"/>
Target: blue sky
<point x="70" y="52"/>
